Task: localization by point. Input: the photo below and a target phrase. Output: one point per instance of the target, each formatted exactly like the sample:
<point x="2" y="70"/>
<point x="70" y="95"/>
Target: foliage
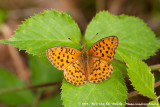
<point x="141" y="77"/>
<point x="43" y="72"/>
<point x="135" y="38"/>
<point x="52" y="28"/>
<point x="153" y="104"/>
<point x="54" y="101"/>
<point x="111" y="91"/>
<point x="10" y="81"/>
<point x="46" y="30"/>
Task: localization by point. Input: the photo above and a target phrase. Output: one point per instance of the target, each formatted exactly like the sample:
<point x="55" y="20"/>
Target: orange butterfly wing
<point x="69" y="60"/>
<point x="104" y="48"/>
<point x="75" y="73"/>
<point x="100" y="70"/>
<point x="61" y="57"/>
<point x="99" y="54"/>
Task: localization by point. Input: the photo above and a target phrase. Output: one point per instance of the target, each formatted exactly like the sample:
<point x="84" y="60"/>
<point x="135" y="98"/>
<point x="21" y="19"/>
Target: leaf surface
<point x="113" y="90"/>
<point x="141" y="77"/>
<point x="9" y="81"/>
<point x="45" y="30"/>
<point x="153" y="104"/>
<point x="43" y="72"/>
<point x="135" y="37"/>
<point x="54" y="101"/>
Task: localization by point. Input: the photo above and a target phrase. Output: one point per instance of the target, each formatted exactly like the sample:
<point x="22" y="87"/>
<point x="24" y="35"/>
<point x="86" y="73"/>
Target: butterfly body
<point x="80" y="66"/>
<point x="85" y="58"/>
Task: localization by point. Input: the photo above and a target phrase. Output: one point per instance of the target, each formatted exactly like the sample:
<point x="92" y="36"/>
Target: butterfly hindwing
<point x="75" y="73"/>
<point x="61" y="57"/>
<point x="99" y="70"/>
<point x="104" y="48"/>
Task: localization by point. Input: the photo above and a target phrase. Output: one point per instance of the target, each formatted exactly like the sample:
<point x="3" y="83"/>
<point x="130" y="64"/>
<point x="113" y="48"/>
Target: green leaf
<point x="42" y="72"/>
<point x="135" y="38"/>
<point x="121" y="67"/>
<point x="141" y="77"/>
<point x="113" y="90"/>
<point x="54" y="101"/>
<point x="8" y="81"/>
<point x="42" y="31"/>
<point x="153" y="104"/>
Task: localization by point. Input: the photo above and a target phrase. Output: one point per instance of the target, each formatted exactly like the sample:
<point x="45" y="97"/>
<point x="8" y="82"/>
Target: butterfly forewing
<point x="75" y="73"/>
<point x="61" y="57"/>
<point x="99" y="70"/>
<point x="104" y="48"/>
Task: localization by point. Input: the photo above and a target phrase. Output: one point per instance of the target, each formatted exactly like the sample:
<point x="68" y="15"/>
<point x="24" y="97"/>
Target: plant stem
<point x="132" y="94"/>
<point x="122" y="62"/>
<point x="100" y="5"/>
<point x="158" y="97"/>
<point x="50" y="93"/>
<point x="155" y="67"/>
<point x="157" y="84"/>
<point x="37" y="98"/>
<point x="28" y="87"/>
<point x="135" y="93"/>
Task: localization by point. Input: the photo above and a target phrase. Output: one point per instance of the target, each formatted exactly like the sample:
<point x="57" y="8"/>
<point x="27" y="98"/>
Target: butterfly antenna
<point x="74" y="41"/>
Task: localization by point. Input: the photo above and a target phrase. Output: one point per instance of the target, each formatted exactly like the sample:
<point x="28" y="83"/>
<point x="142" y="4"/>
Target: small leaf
<point x="42" y="31"/>
<point x="135" y="38"/>
<point x="9" y="81"/>
<point x="113" y="90"/>
<point x="54" y="101"/>
<point x="141" y="77"/>
<point x="42" y="72"/>
<point x="153" y="104"/>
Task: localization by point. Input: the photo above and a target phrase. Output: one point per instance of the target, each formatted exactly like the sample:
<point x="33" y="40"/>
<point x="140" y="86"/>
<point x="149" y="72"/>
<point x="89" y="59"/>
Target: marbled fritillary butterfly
<point x="80" y="66"/>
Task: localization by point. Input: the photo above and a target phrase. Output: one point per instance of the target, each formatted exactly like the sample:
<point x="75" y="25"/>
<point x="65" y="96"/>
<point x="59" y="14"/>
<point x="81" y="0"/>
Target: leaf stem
<point x="84" y="44"/>
<point x="132" y="94"/>
<point x="155" y="67"/>
<point x="158" y="97"/>
<point x="50" y="93"/>
<point x="29" y="87"/>
<point x="37" y="98"/>
<point x="157" y="84"/>
<point x="135" y="93"/>
<point x="122" y="62"/>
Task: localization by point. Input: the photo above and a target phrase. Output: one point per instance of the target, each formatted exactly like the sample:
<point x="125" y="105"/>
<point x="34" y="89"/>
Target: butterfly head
<point x="83" y="48"/>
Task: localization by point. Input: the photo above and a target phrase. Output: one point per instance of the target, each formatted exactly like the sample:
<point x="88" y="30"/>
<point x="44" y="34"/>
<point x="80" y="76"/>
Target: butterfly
<point x="80" y="66"/>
